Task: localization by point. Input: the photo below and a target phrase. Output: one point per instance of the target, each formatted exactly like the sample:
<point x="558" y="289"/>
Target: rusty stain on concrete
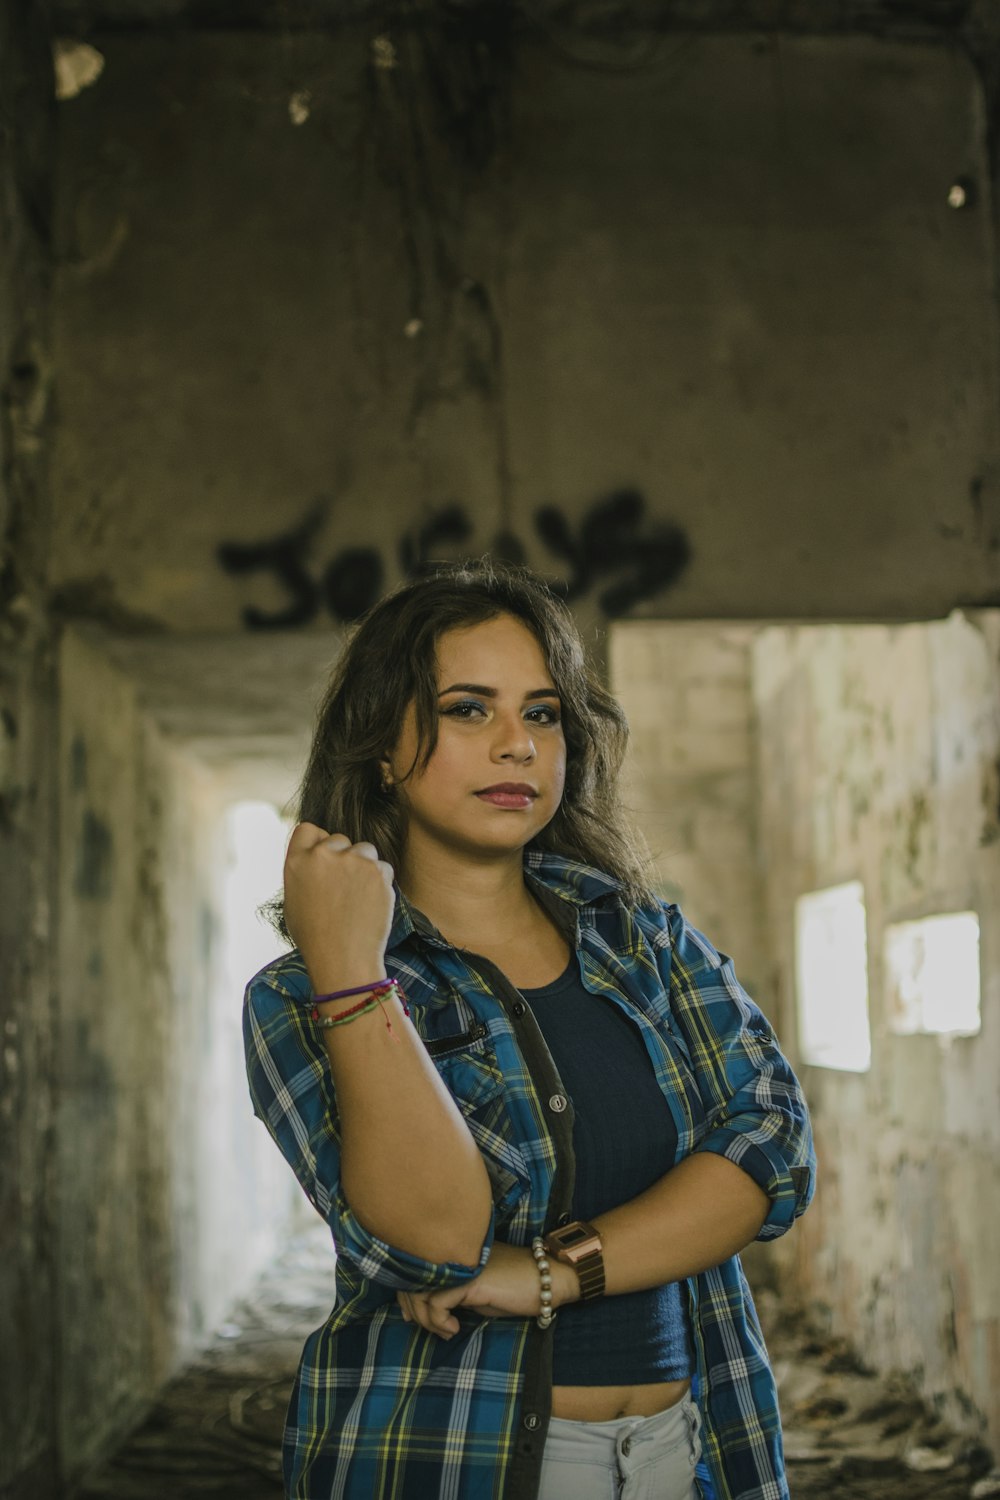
<point x="94" y="859"/>
<point x="919" y="817"/>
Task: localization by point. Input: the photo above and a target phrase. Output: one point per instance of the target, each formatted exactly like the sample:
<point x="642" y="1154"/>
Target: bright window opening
<point x="257" y="835"/>
<point x="831" y="960"/>
<point x="932" y="975"/>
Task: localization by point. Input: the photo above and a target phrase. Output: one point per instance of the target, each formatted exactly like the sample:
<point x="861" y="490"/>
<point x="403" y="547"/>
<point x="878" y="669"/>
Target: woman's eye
<point x="467" y="709"/>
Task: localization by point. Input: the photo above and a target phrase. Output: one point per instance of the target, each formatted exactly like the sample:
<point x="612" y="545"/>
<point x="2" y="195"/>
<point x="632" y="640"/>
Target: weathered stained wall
<point x="327" y="287"/>
<point x="878" y="762"/>
<point x="29" y="1372"/>
<point x="168" y="1195"/>
<point x="727" y="287"/>
<point x="767" y="762"/>
<point x="687" y="693"/>
<point x="692" y="788"/>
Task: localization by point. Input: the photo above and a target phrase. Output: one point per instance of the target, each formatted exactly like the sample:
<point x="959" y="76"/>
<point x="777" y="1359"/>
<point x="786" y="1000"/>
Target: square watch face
<point x="574" y="1235"/>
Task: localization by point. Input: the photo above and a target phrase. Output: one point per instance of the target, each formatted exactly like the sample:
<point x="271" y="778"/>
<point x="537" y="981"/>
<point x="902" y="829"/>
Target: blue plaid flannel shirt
<point x="381" y="1408"/>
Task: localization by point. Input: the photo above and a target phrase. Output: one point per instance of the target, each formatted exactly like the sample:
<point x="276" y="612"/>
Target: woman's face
<point x="497" y="773"/>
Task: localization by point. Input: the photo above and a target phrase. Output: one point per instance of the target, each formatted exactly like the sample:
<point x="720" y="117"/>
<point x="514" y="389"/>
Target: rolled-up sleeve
<point x="757" y="1114"/>
<point x="292" y="1091"/>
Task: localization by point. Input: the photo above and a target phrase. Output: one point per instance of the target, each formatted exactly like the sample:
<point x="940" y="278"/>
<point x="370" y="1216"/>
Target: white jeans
<point x="630" y="1458"/>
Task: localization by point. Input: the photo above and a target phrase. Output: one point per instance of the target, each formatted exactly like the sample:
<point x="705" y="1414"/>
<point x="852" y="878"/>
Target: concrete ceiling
<point x="244" y="704"/>
<point x="219" y="697"/>
<point x="889" y="17"/>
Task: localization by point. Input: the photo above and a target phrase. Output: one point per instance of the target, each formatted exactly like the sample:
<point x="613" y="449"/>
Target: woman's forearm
<point x="695" y="1217"/>
<point x="698" y="1215"/>
<point x="410" y="1169"/>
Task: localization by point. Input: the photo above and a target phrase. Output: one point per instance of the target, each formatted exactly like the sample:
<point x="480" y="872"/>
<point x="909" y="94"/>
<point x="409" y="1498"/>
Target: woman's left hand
<point x="507" y="1287"/>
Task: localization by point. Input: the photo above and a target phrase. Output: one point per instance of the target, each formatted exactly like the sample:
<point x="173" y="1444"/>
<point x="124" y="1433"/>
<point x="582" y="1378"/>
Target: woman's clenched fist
<point x="338" y="907"/>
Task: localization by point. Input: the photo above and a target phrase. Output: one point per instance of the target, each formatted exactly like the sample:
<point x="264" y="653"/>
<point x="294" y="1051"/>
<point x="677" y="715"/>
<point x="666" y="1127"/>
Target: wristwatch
<point x="579" y="1245"/>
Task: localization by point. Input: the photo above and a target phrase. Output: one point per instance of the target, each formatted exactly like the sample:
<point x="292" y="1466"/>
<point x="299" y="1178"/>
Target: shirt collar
<point x="580" y="884"/>
<point x="577" y="884"/>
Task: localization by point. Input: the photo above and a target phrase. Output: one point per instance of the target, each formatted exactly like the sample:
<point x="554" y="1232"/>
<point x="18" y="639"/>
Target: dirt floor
<point x="216" y="1429"/>
<point x="852" y="1436"/>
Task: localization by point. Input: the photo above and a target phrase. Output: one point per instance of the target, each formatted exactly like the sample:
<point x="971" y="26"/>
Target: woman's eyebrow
<point x="488" y="692"/>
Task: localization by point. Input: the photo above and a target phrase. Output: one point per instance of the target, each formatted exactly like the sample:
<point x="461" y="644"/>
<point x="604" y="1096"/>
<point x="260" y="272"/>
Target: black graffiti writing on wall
<point x="614" y="542"/>
<point x="287" y="557"/>
<point x="613" y="548"/>
<point x="419" y="549"/>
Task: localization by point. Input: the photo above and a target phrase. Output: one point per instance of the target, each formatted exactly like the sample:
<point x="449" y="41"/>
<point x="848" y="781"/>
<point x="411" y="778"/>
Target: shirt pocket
<point x="671" y="1056"/>
<point x="470" y="1072"/>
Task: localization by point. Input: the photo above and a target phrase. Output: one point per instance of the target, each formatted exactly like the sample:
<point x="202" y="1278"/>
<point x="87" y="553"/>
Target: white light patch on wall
<point x="831" y="960"/>
<point x="257" y="835"/>
<point x="932" y="975"/>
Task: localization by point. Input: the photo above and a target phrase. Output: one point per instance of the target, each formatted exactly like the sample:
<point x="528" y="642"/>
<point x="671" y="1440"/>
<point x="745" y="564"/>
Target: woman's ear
<point x="386" y="778"/>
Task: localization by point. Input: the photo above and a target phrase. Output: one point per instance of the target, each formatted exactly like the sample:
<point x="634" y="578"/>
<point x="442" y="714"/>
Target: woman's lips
<point x="510" y="797"/>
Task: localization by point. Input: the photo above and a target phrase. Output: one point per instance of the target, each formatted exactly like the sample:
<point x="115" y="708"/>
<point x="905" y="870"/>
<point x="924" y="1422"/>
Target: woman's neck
<point x="469" y="902"/>
<point x="487" y="909"/>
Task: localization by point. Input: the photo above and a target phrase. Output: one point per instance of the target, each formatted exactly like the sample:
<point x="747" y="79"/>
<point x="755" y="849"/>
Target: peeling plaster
<point x="77" y="66"/>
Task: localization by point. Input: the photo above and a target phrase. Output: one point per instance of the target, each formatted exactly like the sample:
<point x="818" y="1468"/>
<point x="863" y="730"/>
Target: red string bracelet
<point x="376" y="992"/>
<point x="345" y="1015"/>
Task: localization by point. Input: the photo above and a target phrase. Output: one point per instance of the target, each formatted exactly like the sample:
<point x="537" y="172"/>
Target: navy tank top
<point x="624" y="1139"/>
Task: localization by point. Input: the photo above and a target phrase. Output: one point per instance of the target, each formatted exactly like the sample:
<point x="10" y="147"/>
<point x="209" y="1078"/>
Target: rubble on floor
<point x="852" y="1435"/>
<point x="216" y="1429"/>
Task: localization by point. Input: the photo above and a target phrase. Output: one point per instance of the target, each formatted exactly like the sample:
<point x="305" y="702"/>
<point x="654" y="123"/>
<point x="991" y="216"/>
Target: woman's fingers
<point x="338" y="905"/>
<point x="307" y="835"/>
<point x="420" y="1307"/>
<point x="421" y="1312"/>
<point x="368" y="851"/>
<point x="442" y="1319"/>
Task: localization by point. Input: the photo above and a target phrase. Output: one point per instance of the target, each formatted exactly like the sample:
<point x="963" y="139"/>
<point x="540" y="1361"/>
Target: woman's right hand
<point x="338" y="906"/>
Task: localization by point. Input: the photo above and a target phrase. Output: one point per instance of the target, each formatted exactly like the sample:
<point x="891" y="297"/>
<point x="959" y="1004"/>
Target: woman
<point x="534" y="1105"/>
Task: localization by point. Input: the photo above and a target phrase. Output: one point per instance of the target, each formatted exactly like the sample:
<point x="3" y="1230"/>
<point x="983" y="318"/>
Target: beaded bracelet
<point x="374" y="996"/>
<point x="547" y="1313"/>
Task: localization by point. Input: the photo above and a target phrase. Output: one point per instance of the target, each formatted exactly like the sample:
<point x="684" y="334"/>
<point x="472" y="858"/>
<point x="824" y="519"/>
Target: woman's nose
<point x="513" y="741"/>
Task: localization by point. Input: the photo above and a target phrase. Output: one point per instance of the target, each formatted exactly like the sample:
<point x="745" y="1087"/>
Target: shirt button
<point x="531" y="1421"/>
<point x="519" y="1007"/>
<point x="557" y="1103"/>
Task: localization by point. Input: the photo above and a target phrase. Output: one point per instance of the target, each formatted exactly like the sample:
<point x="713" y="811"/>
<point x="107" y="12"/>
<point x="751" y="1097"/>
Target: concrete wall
<point x="769" y="762"/>
<point x="692" y="788"/>
<point x="29" y="1372"/>
<point x="686" y="689"/>
<point x="703" y="339"/>
<point x="169" y="1196"/>
<point x="878" y="762"/>
<point x="322" y="289"/>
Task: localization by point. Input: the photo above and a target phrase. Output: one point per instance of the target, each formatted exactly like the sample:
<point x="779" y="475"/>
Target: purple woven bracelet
<point x="359" y="989"/>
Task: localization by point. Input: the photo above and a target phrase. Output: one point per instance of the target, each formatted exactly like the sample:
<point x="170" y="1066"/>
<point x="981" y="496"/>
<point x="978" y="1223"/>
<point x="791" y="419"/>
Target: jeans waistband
<point x="680" y="1420"/>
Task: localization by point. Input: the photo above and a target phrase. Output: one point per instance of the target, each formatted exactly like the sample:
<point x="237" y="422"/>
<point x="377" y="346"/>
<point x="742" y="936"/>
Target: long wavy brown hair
<point x="390" y="660"/>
